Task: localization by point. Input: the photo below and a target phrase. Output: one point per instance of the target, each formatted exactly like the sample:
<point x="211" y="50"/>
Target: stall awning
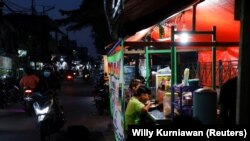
<point x="130" y="16"/>
<point x="218" y="13"/>
<point x="136" y="37"/>
<point x="209" y="13"/>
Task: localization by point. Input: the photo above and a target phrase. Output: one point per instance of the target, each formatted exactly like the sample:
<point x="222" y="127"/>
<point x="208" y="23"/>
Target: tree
<point x="32" y="33"/>
<point x="91" y="13"/>
<point x="7" y="40"/>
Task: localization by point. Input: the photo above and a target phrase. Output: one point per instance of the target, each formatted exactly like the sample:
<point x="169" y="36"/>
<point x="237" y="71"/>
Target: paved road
<point x="79" y="108"/>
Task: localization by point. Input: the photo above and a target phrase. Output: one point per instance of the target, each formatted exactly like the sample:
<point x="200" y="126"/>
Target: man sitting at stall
<point x="136" y="106"/>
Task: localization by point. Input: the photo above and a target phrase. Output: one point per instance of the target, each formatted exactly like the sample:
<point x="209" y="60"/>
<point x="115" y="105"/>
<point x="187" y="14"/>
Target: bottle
<point x="186" y="76"/>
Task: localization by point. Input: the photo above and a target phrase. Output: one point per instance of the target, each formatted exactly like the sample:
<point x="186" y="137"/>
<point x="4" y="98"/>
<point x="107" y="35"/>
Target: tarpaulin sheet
<point x="224" y="71"/>
<point x="229" y="54"/>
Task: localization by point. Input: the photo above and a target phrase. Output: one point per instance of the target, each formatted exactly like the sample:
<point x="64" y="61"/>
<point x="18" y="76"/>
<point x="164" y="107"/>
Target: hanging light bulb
<point x="184" y="35"/>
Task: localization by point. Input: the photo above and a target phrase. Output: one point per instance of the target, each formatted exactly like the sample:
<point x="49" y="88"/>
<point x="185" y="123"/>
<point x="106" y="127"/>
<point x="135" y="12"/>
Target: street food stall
<point x="204" y="36"/>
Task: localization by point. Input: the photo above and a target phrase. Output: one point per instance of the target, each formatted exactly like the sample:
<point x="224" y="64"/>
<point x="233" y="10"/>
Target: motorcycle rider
<point x="48" y="79"/>
<point x="29" y="80"/>
<point x="49" y="84"/>
<point x="47" y="87"/>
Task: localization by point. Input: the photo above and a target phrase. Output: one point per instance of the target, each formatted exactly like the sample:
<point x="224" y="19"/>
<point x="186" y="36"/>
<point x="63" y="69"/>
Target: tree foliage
<point x="27" y="32"/>
<point x="91" y="13"/>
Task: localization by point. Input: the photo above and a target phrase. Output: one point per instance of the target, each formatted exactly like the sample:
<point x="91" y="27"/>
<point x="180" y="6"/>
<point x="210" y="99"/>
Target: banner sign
<point x="115" y="69"/>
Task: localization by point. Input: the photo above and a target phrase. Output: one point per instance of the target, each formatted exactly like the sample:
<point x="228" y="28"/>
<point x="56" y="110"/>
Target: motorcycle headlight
<point x="41" y="118"/>
<point x="44" y="109"/>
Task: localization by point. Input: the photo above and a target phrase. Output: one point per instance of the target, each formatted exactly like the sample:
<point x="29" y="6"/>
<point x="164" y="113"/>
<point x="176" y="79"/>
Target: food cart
<point x="172" y="47"/>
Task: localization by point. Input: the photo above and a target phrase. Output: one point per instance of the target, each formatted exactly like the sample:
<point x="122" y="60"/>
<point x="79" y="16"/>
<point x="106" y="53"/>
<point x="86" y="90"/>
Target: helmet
<point x="48" y="67"/>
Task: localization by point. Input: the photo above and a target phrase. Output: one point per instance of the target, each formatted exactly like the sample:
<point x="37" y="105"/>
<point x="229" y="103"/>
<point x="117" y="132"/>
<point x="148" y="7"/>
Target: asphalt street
<point x="80" y="112"/>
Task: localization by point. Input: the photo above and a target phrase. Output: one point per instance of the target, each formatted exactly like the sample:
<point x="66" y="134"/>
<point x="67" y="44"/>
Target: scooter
<point x="86" y="77"/>
<point x="28" y="100"/>
<point x="50" y="116"/>
<point x="9" y="93"/>
<point x="102" y="100"/>
<point x="70" y="77"/>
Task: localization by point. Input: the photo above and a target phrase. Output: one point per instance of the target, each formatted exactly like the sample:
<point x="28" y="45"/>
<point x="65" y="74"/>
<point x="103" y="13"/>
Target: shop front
<point x="6" y="67"/>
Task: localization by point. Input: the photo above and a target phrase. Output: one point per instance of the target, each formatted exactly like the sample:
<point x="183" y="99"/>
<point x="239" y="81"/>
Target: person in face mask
<point x="46" y="74"/>
<point x="48" y="79"/>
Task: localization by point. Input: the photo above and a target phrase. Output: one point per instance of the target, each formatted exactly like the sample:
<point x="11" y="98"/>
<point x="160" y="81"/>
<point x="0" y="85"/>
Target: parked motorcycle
<point x="3" y="100"/>
<point x="9" y="92"/>
<point x="14" y="93"/>
<point x="86" y="77"/>
<point x="102" y="100"/>
<point x="50" y="116"/>
<point x="12" y="89"/>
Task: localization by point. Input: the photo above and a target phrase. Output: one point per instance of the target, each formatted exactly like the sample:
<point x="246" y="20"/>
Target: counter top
<point x="158" y="117"/>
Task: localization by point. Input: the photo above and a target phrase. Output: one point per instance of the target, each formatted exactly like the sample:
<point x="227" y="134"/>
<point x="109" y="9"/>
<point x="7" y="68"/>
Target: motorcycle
<point x="69" y="77"/>
<point x="14" y="93"/>
<point x="86" y="77"/>
<point x="102" y="100"/>
<point x="9" y="92"/>
<point x="50" y="116"/>
<point x="12" y="89"/>
<point x="3" y="101"/>
<point x="28" y="100"/>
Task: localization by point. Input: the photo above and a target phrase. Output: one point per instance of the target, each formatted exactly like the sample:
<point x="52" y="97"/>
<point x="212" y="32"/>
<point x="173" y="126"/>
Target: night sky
<point x="82" y="37"/>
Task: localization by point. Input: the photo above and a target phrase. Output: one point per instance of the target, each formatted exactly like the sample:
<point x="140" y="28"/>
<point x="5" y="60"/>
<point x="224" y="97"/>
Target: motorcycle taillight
<point x="69" y="77"/>
<point x="28" y="91"/>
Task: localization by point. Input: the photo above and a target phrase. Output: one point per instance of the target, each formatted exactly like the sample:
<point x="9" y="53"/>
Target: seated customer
<point x="131" y="90"/>
<point x="136" y="107"/>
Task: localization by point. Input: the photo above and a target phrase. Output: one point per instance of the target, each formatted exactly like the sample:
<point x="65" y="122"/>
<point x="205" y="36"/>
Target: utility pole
<point x="1" y="7"/>
<point x="49" y="8"/>
<point x="33" y="10"/>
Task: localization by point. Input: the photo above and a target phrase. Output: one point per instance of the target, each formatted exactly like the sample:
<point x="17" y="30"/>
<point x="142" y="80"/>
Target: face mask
<point x="46" y="74"/>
